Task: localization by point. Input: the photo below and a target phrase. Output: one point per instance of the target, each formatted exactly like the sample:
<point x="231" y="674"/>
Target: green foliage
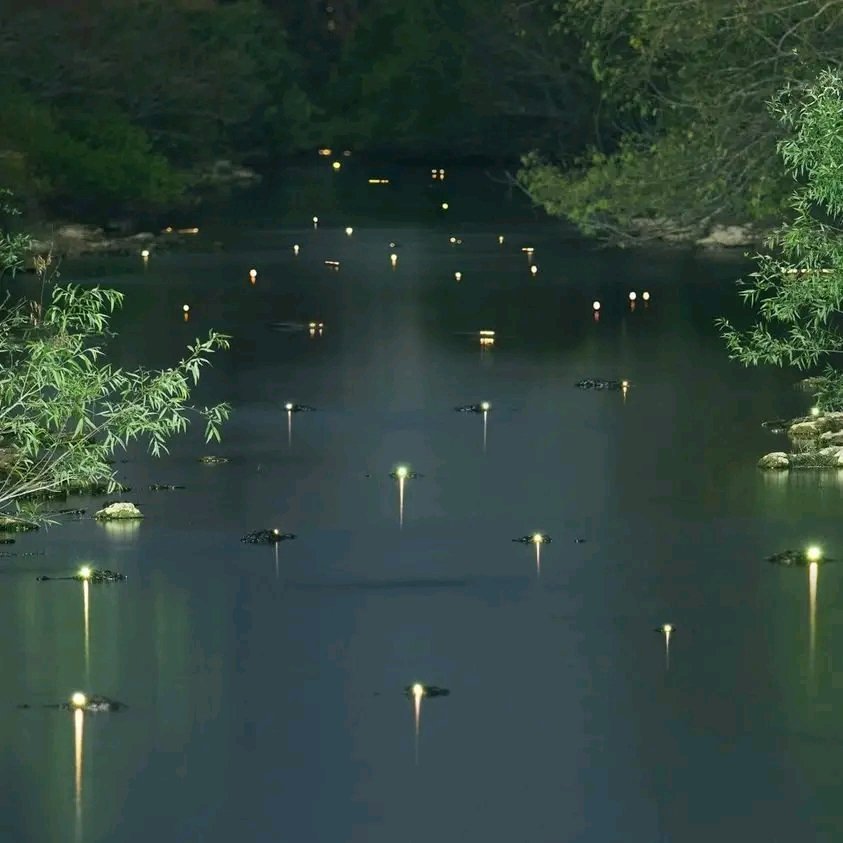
<point x="64" y="410"/>
<point x="797" y="289"/>
<point x="100" y="157"/>
<point x="684" y="86"/>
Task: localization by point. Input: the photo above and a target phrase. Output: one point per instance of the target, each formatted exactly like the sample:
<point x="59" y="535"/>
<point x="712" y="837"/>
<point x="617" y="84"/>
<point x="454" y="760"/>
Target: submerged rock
<point x="267" y="537"/>
<point x="775" y="461"/>
<point x="600" y="383"/>
<point x="776" y="425"/>
<point x="211" y="459"/>
<point x="544" y="538"/>
<point x="118" y="510"/>
<point x="96" y="704"/>
<point x="427" y="691"/>
<point x="474" y="408"/>
<point x="796" y="559"/>
<point x="94" y="575"/>
<point x="12" y="524"/>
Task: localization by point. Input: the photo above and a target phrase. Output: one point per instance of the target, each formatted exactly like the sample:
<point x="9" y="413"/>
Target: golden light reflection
<point x="418" y="693"/>
<point x="666" y="630"/>
<point x="813" y="576"/>
<point x="186" y="310"/>
<point x="86" y="611"/>
<point x="538" y="557"/>
<point x="78" y="737"/>
<point x="253" y="275"/>
<point x="393" y="259"/>
<point x="145" y="255"/>
<point x="188" y="231"/>
<point x="336" y="165"/>
<point x="325" y="151"/>
<point x="378" y="181"/>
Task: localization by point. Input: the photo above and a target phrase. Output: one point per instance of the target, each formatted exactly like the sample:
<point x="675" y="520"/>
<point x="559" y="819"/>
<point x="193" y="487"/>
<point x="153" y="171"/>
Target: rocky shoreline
<point x="816" y="441"/>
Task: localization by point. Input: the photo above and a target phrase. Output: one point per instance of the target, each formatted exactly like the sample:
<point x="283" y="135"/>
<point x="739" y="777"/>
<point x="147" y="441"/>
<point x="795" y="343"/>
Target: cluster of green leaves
<point x="64" y="410"/>
<point x="683" y="131"/>
<point x="797" y="288"/>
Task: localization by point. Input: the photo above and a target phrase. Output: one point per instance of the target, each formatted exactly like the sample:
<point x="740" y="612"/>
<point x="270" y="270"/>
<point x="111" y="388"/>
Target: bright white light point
<point x="537" y="538"/>
<point x="418" y="690"/>
<point x="253" y="273"/>
<point x="296" y="248"/>
<point x="596" y="305"/>
<point x="288" y="407"/>
<point x="814" y="553"/>
<point x="85" y="571"/>
<point x="444" y="206"/>
<point x="145" y="253"/>
<point x="500" y="238"/>
<point x="534" y="269"/>
<point x="815" y="411"/>
<point x="625" y="384"/>
<point x="315" y="220"/>
<point x="667" y="629"/>
<point x="186" y="308"/>
<point x="401" y="472"/>
<point x="276" y="531"/>
<point x="452" y="239"/>
<point x="485" y="406"/>
<point x="79" y="700"/>
<point x="645" y="295"/>
<point x="336" y="165"/>
<point x="632" y="296"/>
<point x="458" y="275"/>
<point x="349" y="231"/>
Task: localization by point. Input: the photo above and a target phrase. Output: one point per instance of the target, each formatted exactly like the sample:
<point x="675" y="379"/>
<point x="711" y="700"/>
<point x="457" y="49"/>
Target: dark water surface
<point x="264" y="692"/>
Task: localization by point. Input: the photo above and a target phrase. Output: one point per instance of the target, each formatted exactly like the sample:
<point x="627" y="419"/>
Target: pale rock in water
<point x="118" y="510"/>
<point x="776" y="460"/>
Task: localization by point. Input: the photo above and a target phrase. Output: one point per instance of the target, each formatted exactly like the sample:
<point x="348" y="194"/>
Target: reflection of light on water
<point x="78" y="734"/>
<point x="276" y="560"/>
<point x="86" y="608"/>
<point x="538" y="559"/>
<point x="667" y="629"/>
<point x="401" y="501"/>
<point x="121" y="528"/>
<point x="485" y="420"/>
<point x="418" y="693"/>
<point x="813" y="574"/>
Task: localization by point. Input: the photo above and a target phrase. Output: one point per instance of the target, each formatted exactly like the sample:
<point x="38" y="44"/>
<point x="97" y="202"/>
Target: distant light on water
<point x="445" y="206"/>
<point x="500" y="239"/>
<point x="337" y="165"/>
<point x="393" y="259"/>
<point x="458" y="276"/>
<point x="533" y="269"/>
<point x="645" y="295"/>
<point x="145" y="254"/>
<point x="349" y="230"/>
<point x="632" y="296"/>
<point x="296" y="249"/>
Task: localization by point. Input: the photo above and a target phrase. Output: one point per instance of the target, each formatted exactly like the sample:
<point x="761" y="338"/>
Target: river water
<point x="265" y="690"/>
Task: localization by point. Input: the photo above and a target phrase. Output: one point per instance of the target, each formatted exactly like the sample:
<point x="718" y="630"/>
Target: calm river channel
<point x="265" y="690"/>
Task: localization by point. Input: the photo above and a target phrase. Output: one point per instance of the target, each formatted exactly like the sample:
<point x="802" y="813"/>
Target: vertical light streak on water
<point x="485" y="425"/>
<point x="401" y="501"/>
<point x="667" y="649"/>
<point x="813" y="575"/>
<point x="86" y="609"/>
<point x="418" y="693"/>
<point x="78" y="735"/>
<point x="289" y="428"/>
<point x="276" y="560"/>
<point x="538" y="559"/>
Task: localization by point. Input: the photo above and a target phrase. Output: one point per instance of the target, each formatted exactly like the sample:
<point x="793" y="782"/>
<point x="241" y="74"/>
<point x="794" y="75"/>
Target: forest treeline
<point x="619" y="110"/>
<point x="120" y="103"/>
